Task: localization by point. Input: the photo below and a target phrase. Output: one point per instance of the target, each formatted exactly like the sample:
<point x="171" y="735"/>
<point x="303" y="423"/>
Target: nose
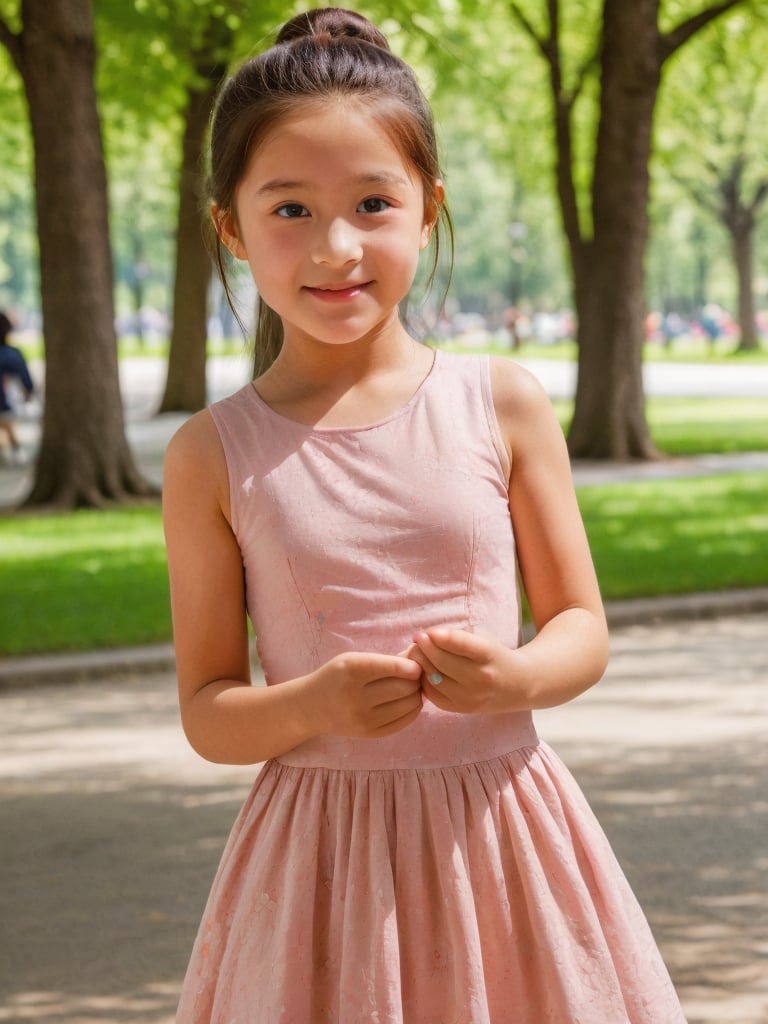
<point x="336" y="244"/>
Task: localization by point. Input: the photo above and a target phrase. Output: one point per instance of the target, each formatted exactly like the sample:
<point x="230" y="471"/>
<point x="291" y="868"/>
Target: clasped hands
<point x="463" y="672"/>
<point x="373" y="695"/>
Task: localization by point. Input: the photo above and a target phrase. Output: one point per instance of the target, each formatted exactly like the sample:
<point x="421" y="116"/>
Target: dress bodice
<point x="354" y="538"/>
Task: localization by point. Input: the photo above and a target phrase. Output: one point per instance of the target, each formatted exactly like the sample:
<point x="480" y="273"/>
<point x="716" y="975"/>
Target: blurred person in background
<point x="12" y="364"/>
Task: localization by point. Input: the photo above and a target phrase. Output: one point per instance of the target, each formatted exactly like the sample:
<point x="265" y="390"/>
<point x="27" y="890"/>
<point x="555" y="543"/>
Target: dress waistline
<point x="437" y="739"/>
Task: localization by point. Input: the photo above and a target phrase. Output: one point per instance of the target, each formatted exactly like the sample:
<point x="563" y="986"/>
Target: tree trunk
<point x="608" y="273"/>
<point x="742" y="235"/>
<point x="185" y="386"/>
<point x="609" y="416"/>
<point x="84" y="456"/>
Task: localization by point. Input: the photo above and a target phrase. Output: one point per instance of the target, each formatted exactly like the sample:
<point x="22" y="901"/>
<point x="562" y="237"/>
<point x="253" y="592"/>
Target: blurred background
<point x="605" y="166"/>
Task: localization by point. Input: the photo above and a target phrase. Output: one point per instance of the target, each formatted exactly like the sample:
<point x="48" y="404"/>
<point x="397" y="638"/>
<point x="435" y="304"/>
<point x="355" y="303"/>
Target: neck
<point x="350" y="384"/>
<point x="312" y="365"/>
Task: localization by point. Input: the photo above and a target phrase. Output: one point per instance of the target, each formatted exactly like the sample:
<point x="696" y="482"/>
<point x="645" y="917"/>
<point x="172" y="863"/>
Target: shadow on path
<point x="112" y="828"/>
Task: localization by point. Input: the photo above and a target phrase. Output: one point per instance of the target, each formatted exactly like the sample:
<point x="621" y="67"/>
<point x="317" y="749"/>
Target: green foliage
<point x="710" y="142"/>
<point x="489" y="87"/>
<point x="568" y="38"/>
<point x="715" y="107"/>
<point x="492" y="268"/>
<point x="151" y="56"/>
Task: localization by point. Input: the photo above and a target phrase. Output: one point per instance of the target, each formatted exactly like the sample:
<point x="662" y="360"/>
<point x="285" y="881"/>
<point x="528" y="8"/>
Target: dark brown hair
<point x="324" y="52"/>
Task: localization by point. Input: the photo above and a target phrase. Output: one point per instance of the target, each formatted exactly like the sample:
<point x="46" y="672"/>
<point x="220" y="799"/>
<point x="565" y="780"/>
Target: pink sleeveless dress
<point x="449" y="874"/>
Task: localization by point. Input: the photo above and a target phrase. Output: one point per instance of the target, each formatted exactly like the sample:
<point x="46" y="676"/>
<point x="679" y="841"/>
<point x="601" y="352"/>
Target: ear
<point x="431" y="213"/>
<point x="226" y="229"/>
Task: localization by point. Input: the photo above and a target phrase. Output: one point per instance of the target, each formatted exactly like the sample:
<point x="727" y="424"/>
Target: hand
<point x="467" y="672"/>
<point x="366" y="695"/>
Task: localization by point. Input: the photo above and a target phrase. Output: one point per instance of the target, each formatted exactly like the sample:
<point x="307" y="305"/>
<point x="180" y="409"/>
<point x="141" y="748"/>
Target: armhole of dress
<point x="220" y="424"/>
<point x="493" y="421"/>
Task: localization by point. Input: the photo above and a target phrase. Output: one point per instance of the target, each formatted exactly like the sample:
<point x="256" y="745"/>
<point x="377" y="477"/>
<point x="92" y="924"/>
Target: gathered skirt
<point x="482" y="893"/>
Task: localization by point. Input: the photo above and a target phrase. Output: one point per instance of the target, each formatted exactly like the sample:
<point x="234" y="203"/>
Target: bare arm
<point x="225" y="719"/>
<point x="570" y="649"/>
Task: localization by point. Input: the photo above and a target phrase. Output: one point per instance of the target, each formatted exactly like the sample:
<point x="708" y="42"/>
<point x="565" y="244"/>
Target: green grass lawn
<point x="90" y="580"/>
<point x="83" y="580"/>
<point x="678" y="536"/>
<point x="699" y="426"/>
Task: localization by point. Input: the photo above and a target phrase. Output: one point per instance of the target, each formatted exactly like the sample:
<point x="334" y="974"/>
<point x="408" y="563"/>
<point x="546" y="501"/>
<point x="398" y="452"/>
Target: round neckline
<point x="308" y="428"/>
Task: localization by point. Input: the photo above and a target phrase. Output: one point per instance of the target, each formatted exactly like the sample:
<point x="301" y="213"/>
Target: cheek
<point x="271" y="259"/>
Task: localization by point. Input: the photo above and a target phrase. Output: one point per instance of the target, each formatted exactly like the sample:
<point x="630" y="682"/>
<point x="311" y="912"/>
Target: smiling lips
<point x="338" y="293"/>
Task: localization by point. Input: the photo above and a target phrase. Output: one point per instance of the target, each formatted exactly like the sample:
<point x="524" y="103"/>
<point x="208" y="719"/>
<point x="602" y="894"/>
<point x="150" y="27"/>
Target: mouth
<point x="338" y="292"/>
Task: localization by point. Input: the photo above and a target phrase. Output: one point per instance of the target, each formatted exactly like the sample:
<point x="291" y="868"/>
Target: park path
<point x="111" y="827"/>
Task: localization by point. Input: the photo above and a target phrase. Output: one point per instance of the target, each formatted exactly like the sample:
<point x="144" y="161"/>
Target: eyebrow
<point x="289" y="185"/>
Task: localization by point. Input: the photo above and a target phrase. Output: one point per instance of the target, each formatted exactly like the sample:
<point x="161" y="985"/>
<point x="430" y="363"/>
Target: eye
<point x="292" y="210"/>
<point x="373" y="205"/>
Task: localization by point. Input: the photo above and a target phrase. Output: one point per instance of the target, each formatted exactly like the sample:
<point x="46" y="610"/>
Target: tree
<point x="607" y="242"/>
<point x="185" y="385"/>
<point x="84" y="457"/>
<point x="196" y="43"/>
<point x="716" y="152"/>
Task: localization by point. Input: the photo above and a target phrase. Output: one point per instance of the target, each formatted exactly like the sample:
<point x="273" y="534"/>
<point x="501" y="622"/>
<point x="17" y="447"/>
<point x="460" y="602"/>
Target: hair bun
<point x="332" y="23"/>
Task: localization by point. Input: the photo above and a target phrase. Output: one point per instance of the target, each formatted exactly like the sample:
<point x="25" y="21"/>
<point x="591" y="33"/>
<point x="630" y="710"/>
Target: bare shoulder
<point x="514" y="387"/>
<point x="194" y="460"/>
<point x="522" y="406"/>
<point x="196" y="439"/>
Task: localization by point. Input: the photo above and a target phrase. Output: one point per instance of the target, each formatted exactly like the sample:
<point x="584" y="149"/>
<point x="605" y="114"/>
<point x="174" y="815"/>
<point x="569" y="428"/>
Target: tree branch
<point x="699" y="196"/>
<point x="590" y="64"/>
<point x="530" y="31"/>
<point x="676" y="37"/>
<point x="549" y="47"/>
<point x="761" y="194"/>
<point x="713" y="168"/>
<point x="14" y="44"/>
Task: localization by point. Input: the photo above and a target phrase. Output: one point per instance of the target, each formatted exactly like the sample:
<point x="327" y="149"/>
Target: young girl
<point x="410" y="852"/>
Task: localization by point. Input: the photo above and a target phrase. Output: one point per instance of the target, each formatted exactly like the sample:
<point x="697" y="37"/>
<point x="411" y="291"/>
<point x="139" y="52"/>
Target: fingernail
<point x="435" y="678"/>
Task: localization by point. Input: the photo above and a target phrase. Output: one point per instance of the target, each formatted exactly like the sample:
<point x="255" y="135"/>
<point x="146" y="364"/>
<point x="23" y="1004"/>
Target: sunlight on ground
<point x="156" y="1004"/>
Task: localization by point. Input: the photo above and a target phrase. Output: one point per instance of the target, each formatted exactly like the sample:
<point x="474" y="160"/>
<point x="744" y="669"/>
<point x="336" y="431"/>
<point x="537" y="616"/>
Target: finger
<point x="460" y="642"/>
<point x="431" y="674"/>
<point x="441" y="662"/>
<point x="383" y="666"/>
<point x="397" y="710"/>
<point x="432" y="680"/>
<point x="413" y="654"/>
<point x="410" y="670"/>
<point x="396" y="724"/>
<point x="389" y="691"/>
<point x="402" y="668"/>
<point x="442" y="694"/>
<point x="427" y="668"/>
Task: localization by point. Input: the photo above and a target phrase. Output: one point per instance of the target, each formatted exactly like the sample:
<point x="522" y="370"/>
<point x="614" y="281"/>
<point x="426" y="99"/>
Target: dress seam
<point x="529" y="747"/>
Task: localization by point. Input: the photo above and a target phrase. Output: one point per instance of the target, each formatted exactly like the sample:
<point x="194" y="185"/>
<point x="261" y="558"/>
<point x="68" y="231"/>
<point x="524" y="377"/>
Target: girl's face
<point x="331" y="221"/>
